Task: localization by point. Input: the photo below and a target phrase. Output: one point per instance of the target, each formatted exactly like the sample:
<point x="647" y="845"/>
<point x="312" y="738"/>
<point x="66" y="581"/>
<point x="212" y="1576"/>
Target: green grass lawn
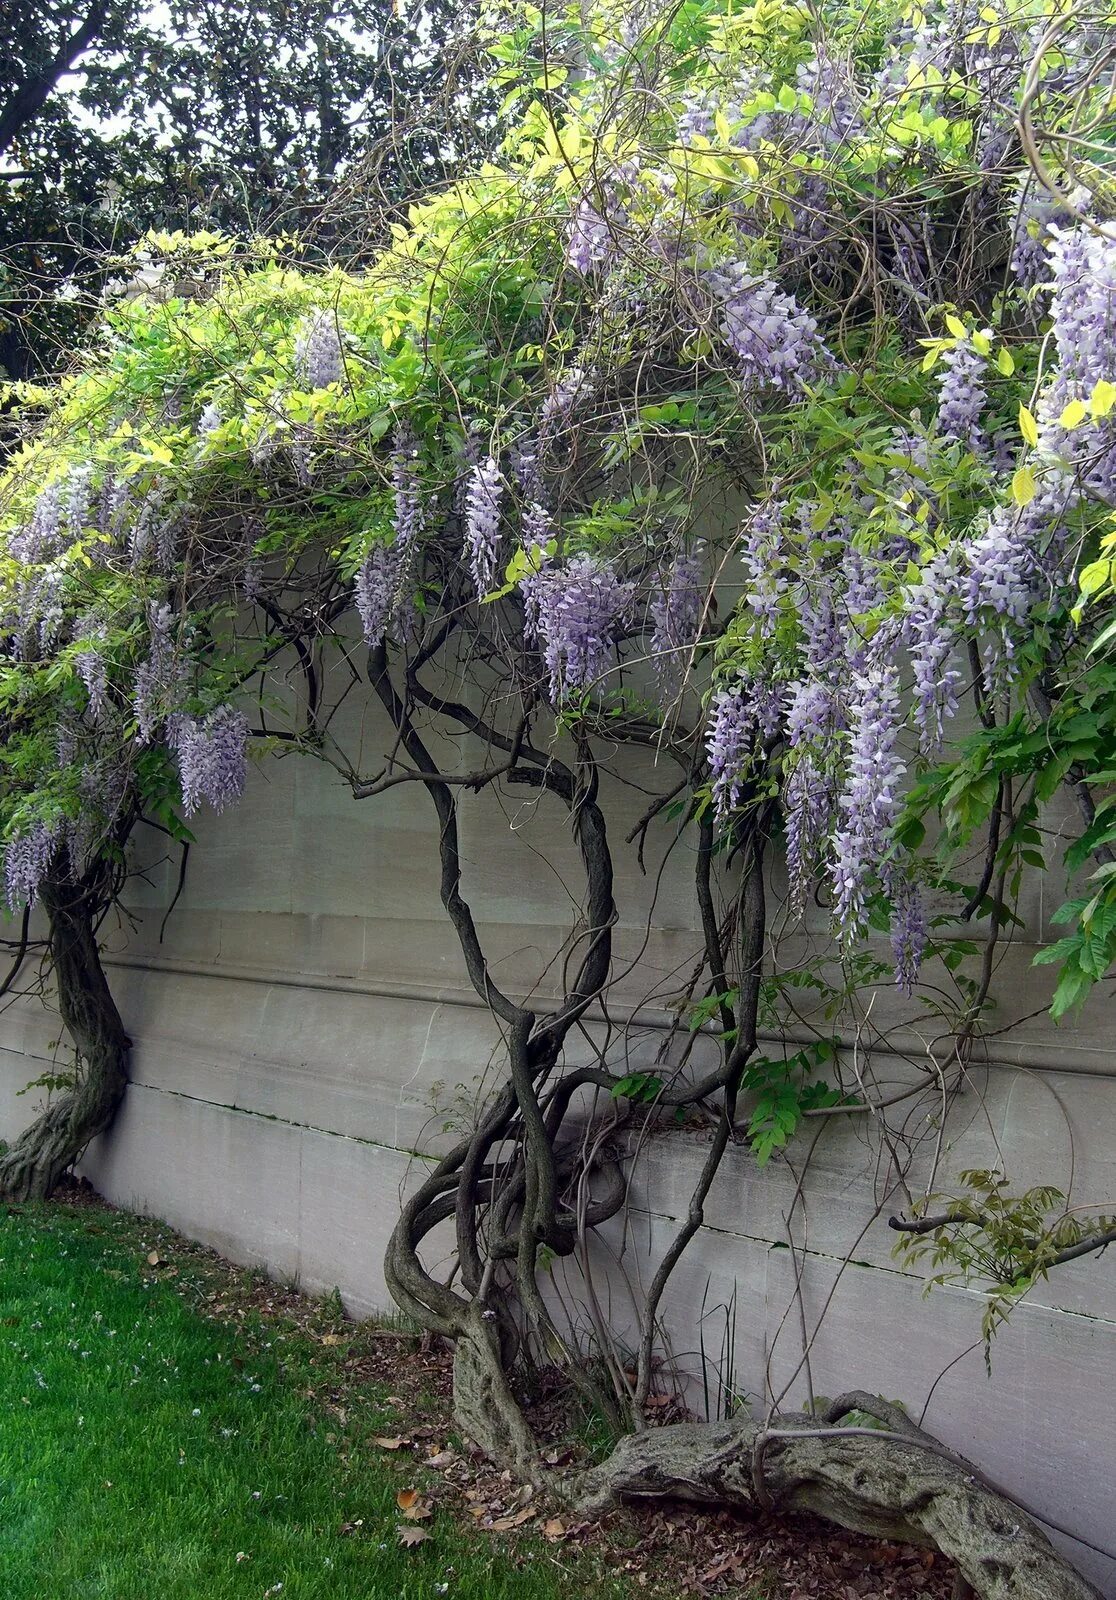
<point x="148" y="1452"/>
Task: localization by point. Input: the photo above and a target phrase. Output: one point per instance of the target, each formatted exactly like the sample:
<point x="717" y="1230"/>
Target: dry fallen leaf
<point x="444" y="1458"/>
<point x="555" y="1528"/>
<point x="505" y="1524"/>
<point x="413" y="1506"/>
<point x="409" y="1534"/>
<point x="391" y="1444"/>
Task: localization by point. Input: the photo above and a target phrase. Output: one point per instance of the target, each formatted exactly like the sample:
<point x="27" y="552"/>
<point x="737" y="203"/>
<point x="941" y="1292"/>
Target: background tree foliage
<point x="121" y="116"/>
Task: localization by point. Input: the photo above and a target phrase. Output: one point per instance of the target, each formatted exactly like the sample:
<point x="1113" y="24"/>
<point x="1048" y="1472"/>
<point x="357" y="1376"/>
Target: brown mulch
<point x="388" y="1390"/>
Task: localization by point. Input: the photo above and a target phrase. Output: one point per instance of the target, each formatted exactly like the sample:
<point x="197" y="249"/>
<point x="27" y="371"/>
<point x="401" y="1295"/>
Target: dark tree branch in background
<point x="28" y="98"/>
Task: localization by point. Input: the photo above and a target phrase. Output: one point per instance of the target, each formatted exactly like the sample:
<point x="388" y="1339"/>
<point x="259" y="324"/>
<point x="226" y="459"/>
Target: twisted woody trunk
<point x="31" y="1167"/>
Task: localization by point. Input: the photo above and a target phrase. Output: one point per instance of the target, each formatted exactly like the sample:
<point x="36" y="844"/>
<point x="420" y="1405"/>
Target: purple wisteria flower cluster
<point x="931" y="638"/>
<point x="375" y="592"/>
<point x="589" y="242"/>
<point x="319" y="356"/>
<point x="92" y="669"/>
<point x="774" y="340"/>
<point x="813" y="719"/>
<point x="869" y="802"/>
<point x="482" y="523"/>
<point x="28" y="857"/>
<point x="160" y="677"/>
<point x="573" y="612"/>
<point x="676" y="608"/>
<point x="212" y="759"/>
<point x="61" y="513"/>
<point x="743" y="716"/>
<point x="408" y="519"/>
<point x="730" y="744"/>
<point x="909" y="934"/>
<point x="962" y="396"/>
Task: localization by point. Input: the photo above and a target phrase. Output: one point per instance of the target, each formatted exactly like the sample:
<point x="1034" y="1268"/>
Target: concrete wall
<point x="304" y="1033"/>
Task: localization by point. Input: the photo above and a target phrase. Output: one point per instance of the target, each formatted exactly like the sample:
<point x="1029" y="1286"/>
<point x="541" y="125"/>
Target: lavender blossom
<point x="482" y="523"/>
<point x="588" y="242"/>
<point x="375" y="592"/>
<point x="160" y="677"/>
<point x="763" y="559"/>
<point x="92" y="669"/>
<point x="79" y="500"/>
<point x="578" y="608"/>
<point x="1034" y="212"/>
<point x="870" y="800"/>
<point x="774" y="340"/>
<point x="537" y="534"/>
<point x="113" y="501"/>
<point x="931" y="636"/>
<point x="812" y="718"/>
<point x="42" y="539"/>
<point x="908" y="932"/>
<point x="1001" y="571"/>
<point x="572" y="389"/>
<point x="28" y="858"/>
<point x="213" y="759"/>
<point x="676" y="611"/>
<point x="408" y="519"/>
<point x="1083" y="304"/>
<point x="808" y="812"/>
<point x="730" y="741"/>
<point x="319" y="358"/>
<point x="962" y="396"/>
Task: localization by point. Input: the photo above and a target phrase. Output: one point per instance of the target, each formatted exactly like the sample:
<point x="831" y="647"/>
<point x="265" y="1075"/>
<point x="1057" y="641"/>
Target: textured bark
<point x="484" y="1406"/>
<point x="897" y="1484"/>
<point x="32" y="1166"/>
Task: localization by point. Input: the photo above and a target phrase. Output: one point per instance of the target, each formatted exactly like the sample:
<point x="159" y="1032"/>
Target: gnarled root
<point x="897" y="1483"/>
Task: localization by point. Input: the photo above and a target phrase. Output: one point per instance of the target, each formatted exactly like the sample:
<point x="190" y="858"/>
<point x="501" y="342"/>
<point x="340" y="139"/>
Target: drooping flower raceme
<point x="537" y="534"/>
<point x="962" y="396"/>
<point x="774" y="340"/>
<point x="812" y="718"/>
<point x="1083" y="303"/>
<point x="1030" y="261"/>
<point x="588" y="243"/>
<point x="406" y="485"/>
<point x="578" y="607"/>
<point x="908" y="931"/>
<point x="213" y="759"/>
<point x="482" y="523"/>
<point x="375" y="592"/>
<point x="741" y="716"/>
<point x="869" y="802"/>
<point x="762" y="558"/>
<point x="676" y="608"/>
<point x="1000" y="572"/>
<point x="60" y="515"/>
<point x="28" y="858"/>
<point x="93" y="671"/>
<point x="159" y="677"/>
<point x="319" y="358"/>
<point x="931" y="636"/>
